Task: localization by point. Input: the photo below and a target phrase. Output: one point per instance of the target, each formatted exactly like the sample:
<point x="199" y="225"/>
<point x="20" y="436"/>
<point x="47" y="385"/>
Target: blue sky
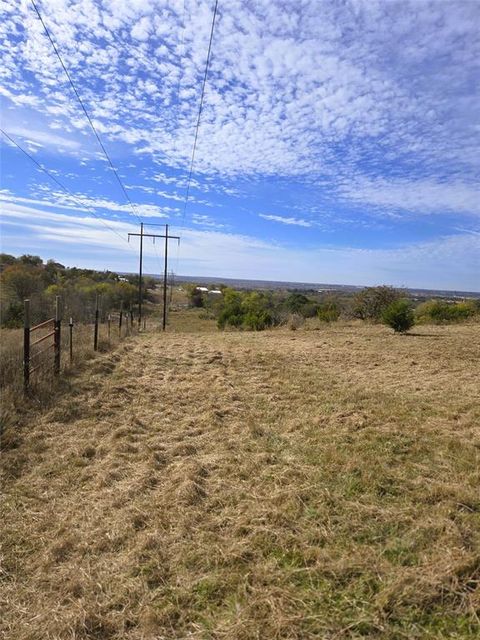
<point x="339" y="140"/>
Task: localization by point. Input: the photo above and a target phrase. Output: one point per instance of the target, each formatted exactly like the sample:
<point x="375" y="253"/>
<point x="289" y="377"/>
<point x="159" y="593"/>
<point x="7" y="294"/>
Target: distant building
<point x="215" y="292"/>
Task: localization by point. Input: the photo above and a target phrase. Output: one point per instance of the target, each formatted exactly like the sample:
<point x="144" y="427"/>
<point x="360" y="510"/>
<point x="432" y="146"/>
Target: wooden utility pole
<point x="164" y="323"/>
<point x="167" y="238"/>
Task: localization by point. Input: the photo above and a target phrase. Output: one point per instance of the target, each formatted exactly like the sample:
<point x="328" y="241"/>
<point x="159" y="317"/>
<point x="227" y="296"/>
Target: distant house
<point x="122" y="279"/>
<point x="215" y="292"/>
<point x="202" y="289"/>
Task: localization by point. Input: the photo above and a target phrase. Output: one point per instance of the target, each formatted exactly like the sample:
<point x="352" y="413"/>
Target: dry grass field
<point x="310" y="484"/>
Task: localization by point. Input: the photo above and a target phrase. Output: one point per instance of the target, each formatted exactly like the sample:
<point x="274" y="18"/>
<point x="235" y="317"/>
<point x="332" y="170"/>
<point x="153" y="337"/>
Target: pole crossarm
<point x="154" y="235"/>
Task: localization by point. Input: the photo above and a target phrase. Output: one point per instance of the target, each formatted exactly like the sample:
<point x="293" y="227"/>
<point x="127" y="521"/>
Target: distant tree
<point x="21" y="281"/>
<point x="295" y="302"/>
<point x="399" y="316"/>
<point x="6" y="259"/>
<point x="371" y="302"/>
<point x="34" y="261"/>
<point x="231" y="312"/>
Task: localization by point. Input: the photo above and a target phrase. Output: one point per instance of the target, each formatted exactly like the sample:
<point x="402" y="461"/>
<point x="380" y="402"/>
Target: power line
<point x="60" y="184"/>
<point x="197" y="127"/>
<point x="85" y="111"/>
<point x="200" y="108"/>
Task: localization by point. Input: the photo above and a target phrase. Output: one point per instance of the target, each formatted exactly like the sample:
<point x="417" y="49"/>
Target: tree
<point x="34" y="261"/>
<point x="21" y="281"/>
<point x="295" y="302"/>
<point x="231" y="312"/>
<point x="371" y="302"/>
<point x="6" y="259"/>
<point x="399" y="316"/>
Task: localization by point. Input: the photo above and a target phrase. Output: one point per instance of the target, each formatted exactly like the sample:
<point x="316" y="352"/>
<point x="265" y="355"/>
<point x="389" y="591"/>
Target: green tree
<point x="33" y="261"/>
<point x="295" y="302"/>
<point x="21" y="281"/>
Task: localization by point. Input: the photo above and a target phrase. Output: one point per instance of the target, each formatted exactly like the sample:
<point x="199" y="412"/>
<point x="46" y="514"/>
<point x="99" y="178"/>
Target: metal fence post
<point x="26" y="345"/>
<point x="95" y="331"/>
<point x="120" y="318"/>
<point x="57" y="338"/>
<point x="70" y="344"/>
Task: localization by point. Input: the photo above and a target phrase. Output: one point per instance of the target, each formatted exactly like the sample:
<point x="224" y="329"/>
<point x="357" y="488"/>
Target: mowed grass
<point x="309" y="484"/>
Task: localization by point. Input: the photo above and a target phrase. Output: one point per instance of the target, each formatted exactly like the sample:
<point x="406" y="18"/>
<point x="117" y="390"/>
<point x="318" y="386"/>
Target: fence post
<point x="26" y="346"/>
<point x="131" y="318"/>
<point x="57" y="338"/>
<point x="109" y="319"/>
<point x="120" y="317"/>
<point x="70" y="344"/>
<point x="144" y="323"/>
<point x="95" y="331"/>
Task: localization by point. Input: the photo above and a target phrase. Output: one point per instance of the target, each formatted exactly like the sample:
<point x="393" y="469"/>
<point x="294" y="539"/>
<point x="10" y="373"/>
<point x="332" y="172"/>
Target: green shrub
<point x="443" y="312"/>
<point x="295" y="302"/>
<point x="328" y="311"/>
<point x="399" y="316"/>
<point x="249" y="310"/>
<point x="257" y="321"/>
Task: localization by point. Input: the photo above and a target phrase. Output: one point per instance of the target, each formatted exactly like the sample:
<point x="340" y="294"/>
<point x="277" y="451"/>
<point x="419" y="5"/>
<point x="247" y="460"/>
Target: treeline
<point x="28" y="277"/>
<point x="258" y="310"/>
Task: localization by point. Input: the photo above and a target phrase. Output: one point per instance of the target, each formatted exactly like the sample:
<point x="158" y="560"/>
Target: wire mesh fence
<point x="44" y="350"/>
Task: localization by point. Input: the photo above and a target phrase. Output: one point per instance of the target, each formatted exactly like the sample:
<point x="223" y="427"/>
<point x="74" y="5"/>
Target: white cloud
<point x="82" y="202"/>
<point x="295" y="221"/>
<point x="418" y="196"/>
<point x="205" y="221"/>
<point x="286" y="89"/>
<point x="451" y="262"/>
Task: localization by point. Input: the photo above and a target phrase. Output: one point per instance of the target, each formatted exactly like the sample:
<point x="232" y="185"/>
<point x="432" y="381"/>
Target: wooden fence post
<point x="95" y="331"/>
<point x="57" y="338"/>
<point x="70" y="324"/>
<point x="109" y="319"/>
<point x="26" y="346"/>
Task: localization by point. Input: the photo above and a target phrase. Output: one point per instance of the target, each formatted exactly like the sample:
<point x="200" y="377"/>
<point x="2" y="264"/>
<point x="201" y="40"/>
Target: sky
<point x="339" y="139"/>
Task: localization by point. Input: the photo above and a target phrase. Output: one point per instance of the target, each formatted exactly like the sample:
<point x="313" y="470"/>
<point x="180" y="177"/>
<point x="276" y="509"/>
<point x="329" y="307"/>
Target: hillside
<point x="204" y="484"/>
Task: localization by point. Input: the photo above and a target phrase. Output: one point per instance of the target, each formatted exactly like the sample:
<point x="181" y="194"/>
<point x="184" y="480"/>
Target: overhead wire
<point x="200" y="108"/>
<point x="61" y="185"/>
<point x="112" y="166"/>
<point x="197" y="126"/>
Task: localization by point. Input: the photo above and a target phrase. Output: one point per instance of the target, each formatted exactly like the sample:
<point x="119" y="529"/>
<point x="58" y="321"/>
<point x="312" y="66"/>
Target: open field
<point x="198" y="484"/>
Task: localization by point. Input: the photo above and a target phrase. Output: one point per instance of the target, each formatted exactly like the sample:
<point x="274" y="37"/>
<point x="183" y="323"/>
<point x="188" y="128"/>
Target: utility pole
<point x="167" y="238"/>
<point x="164" y="323"/>
<point x="140" y="277"/>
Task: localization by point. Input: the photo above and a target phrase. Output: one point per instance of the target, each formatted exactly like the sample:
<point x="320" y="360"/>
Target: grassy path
<point x="317" y="484"/>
